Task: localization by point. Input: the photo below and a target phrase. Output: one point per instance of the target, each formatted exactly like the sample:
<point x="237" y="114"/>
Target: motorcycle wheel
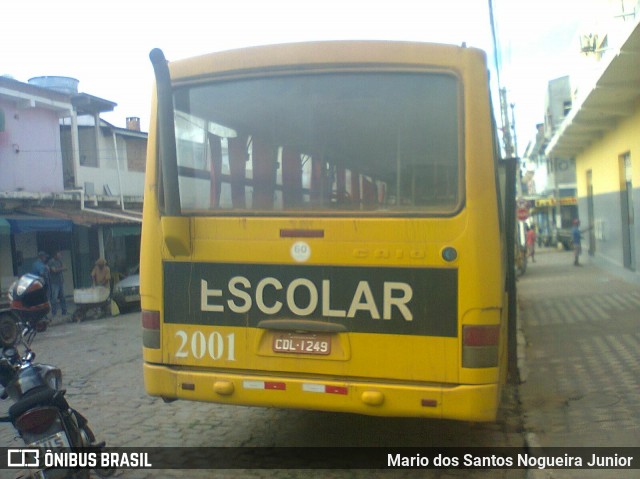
<point x="8" y="330"/>
<point x="89" y="439"/>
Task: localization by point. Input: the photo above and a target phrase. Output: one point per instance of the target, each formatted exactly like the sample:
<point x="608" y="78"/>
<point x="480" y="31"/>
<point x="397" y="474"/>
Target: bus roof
<point x="318" y="55"/>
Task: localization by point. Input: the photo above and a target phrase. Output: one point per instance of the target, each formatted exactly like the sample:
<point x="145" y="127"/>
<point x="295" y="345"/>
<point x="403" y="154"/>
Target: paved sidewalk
<point x="580" y="371"/>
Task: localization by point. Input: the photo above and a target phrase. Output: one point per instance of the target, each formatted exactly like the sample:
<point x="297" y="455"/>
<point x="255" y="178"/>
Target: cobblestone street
<point x="102" y="368"/>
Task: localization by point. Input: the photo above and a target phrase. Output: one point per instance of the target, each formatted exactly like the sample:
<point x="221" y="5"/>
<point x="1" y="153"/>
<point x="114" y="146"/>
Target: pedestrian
<point x="576" y="238"/>
<point x="531" y="243"/>
<point x="101" y="274"/>
<point x="40" y="268"/>
<point x="56" y="283"/>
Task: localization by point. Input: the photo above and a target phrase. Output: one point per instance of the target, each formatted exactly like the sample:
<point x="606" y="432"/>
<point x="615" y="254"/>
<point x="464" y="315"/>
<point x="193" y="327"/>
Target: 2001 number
<point x="198" y="345"/>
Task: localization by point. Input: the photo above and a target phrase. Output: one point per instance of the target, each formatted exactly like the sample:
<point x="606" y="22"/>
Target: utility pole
<point x="511" y="169"/>
<point x="506" y="125"/>
<point x="513" y="126"/>
<point x="510" y="148"/>
<point x="512" y="194"/>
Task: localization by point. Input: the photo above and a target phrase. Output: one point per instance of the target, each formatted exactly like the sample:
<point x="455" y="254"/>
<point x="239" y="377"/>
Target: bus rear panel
<point x="338" y="244"/>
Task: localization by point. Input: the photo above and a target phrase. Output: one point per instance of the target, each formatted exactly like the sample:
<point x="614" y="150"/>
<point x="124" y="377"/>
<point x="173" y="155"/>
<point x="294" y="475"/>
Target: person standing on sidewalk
<point x="576" y="238"/>
<point x="531" y="242"/>
<point x="101" y="274"/>
<point x="56" y="280"/>
<point x="40" y="268"/>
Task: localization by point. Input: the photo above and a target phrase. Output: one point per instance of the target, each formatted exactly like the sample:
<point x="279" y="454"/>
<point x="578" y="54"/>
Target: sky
<point x="106" y="47"/>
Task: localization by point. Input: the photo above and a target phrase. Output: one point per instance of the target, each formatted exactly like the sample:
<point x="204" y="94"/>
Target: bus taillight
<point x="151" y="319"/>
<point x="480" y="346"/>
<point x="480" y="335"/>
<point x="151" y="329"/>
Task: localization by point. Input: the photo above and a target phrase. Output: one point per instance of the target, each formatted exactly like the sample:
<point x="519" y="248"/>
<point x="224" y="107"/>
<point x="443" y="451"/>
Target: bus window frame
<point x="186" y="83"/>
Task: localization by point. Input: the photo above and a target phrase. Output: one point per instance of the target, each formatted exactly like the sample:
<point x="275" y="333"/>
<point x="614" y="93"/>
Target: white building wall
<point x="105" y="178"/>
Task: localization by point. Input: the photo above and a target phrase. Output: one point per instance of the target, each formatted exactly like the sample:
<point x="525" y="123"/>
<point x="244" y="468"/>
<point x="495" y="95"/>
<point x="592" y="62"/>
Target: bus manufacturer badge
<point x="300" y="251"/>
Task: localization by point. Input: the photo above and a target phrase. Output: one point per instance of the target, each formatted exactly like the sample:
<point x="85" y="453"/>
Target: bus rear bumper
<point x="477" y="403"/>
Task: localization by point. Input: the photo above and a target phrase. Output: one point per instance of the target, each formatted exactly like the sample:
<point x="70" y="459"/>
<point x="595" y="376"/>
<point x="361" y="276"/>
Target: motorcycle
<point x="28" y="310"/>
<point x="40" y="412"/>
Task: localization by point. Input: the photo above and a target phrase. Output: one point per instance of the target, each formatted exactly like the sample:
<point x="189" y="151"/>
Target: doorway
<point x="590" y="214"/>
<point x="626" y="210"/>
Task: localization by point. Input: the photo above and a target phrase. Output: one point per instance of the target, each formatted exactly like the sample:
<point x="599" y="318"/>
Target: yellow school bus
<point x="322" y="230"/>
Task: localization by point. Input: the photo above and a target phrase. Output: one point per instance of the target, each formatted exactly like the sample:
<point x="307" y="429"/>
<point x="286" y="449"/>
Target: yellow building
<point x="602" y="134"/>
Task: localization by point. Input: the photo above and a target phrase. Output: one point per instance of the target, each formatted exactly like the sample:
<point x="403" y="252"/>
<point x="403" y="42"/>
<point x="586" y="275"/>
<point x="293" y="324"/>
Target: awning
<point x="87" y="217"/>
<point x="133" y="230"/>
<point x="544" y="202"/>
<point x="35" y="224"/>
<point x="608" y="101"/>
<point x="564" y="201"/>
<point x="568" y="200"/>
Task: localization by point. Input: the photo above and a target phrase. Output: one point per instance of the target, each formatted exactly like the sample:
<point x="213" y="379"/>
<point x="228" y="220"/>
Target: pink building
<point x="69" y="181"/>
<point x="30" y="151"/>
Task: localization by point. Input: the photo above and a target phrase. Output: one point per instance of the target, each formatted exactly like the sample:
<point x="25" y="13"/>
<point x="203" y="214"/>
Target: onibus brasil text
<point x="68" y="459"/>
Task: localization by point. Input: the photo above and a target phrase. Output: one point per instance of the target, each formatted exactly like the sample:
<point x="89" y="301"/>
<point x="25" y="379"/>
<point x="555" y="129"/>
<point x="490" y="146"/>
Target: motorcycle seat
<point x="41" y="397"/>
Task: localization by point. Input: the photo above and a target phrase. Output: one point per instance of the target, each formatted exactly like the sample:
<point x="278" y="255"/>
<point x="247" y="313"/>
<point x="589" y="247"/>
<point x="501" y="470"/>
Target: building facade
<point x="553" y="196"/>
<point x="601" y="135"/>
<point x="70" y="182"/>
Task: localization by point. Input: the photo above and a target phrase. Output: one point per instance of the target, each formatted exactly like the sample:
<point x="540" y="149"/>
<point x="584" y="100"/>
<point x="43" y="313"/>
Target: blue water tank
<point x="65" y="85"/>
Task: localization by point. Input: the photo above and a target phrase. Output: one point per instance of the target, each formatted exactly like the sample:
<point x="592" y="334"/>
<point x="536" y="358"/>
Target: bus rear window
<point x="332" y="143"/>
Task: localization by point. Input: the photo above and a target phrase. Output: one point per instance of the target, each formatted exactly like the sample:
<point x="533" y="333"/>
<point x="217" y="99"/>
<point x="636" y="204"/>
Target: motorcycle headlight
<point x="51" y="375"/>
<point x="54" y="381"/>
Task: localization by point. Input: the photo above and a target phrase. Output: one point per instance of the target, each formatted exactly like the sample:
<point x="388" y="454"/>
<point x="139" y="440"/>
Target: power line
<point x="509" y="148"/>
<point x="496" y="47"/>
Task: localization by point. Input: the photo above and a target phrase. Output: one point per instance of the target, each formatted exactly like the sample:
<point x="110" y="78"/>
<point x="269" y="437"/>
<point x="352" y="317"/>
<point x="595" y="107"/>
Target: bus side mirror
<point x="176" y="232"/>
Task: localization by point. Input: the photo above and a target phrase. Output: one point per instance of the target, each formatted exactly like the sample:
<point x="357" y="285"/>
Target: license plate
<point x="132" y="297"/>
<point x="319" y="344"/>
<point x="57" y="440"/>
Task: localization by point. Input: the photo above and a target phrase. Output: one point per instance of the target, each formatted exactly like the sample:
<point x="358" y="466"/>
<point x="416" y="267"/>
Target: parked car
<point x="126" y="293"/>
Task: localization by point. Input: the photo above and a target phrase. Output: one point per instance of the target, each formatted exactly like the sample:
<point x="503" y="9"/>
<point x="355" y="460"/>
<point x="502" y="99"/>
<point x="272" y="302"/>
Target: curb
<point x="533" y="446"/>
<point x="531" y="442"/>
